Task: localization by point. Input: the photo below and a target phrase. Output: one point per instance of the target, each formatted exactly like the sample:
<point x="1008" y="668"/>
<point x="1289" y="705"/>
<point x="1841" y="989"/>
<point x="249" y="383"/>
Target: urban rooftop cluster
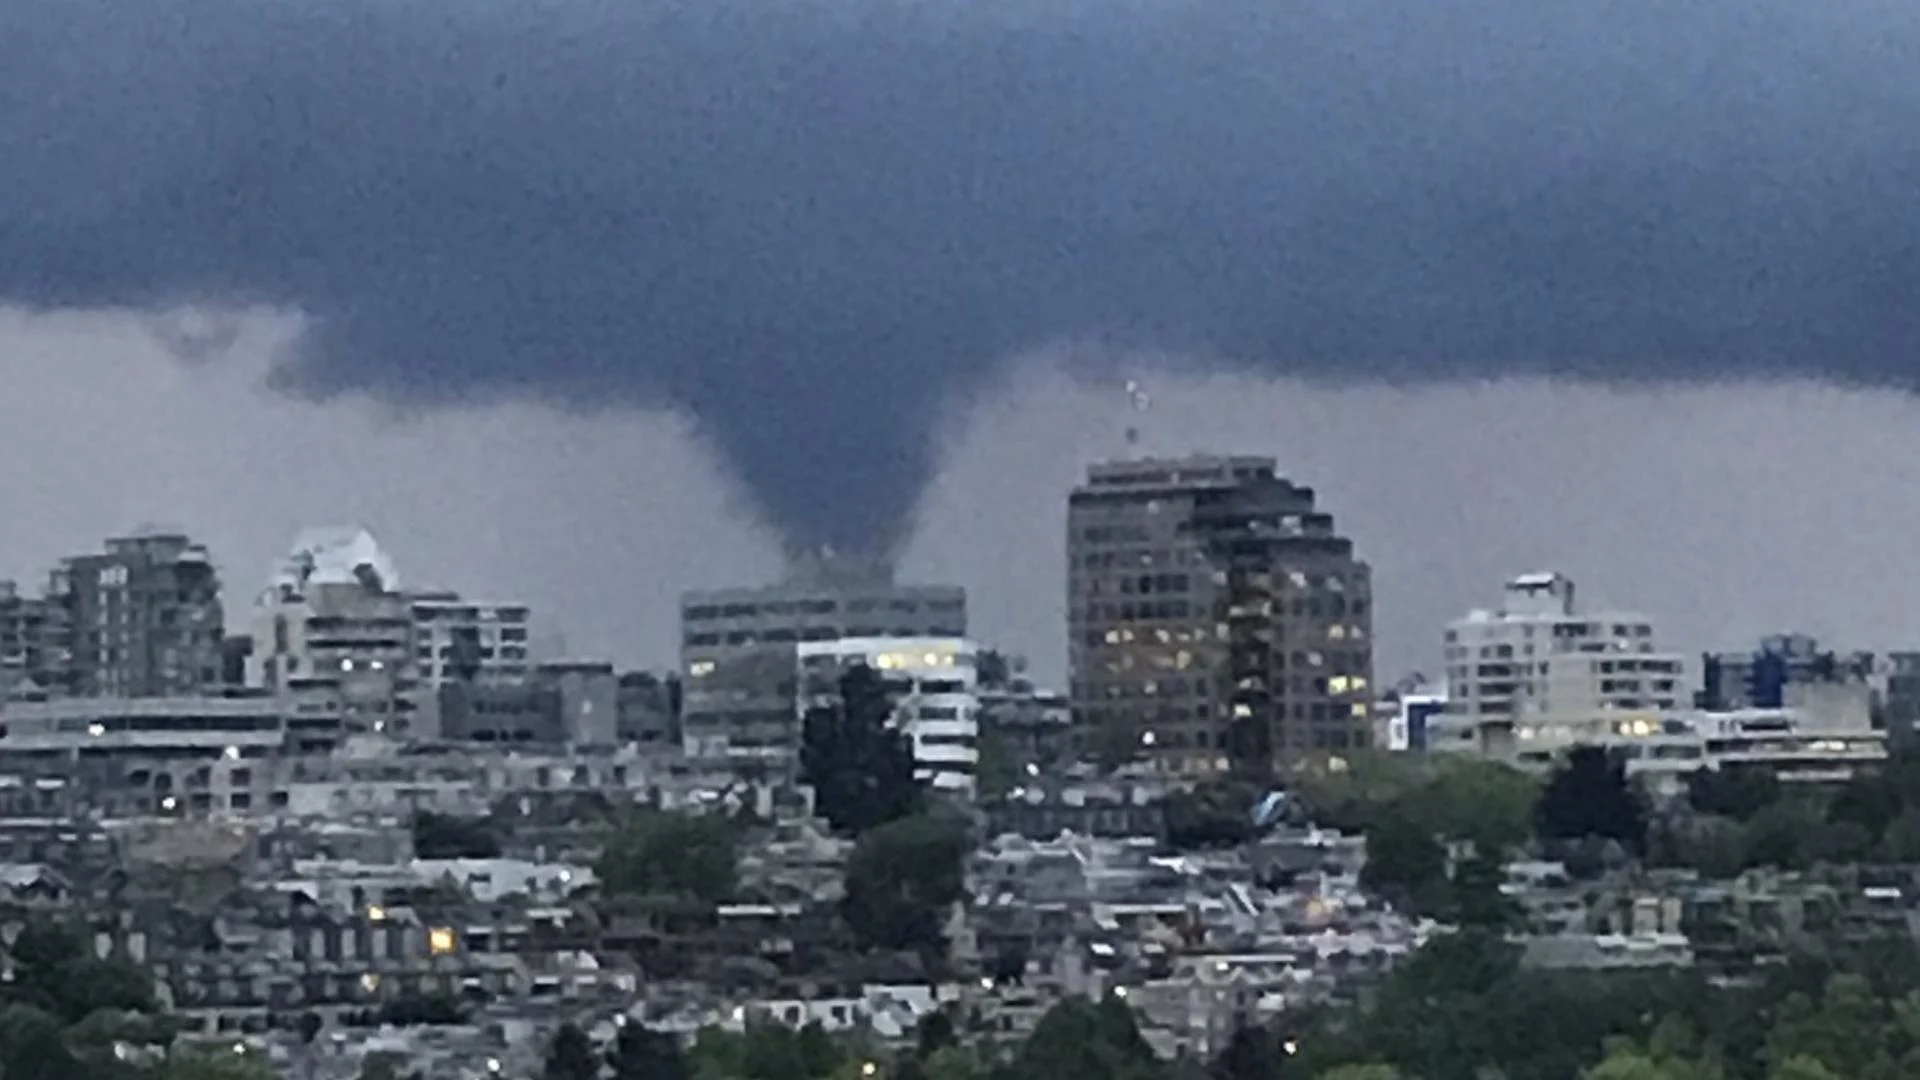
<point x="377" y="831"/>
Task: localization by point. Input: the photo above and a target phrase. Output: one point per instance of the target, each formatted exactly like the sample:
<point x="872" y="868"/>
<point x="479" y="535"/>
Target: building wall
<point x="457" y="639"/>
<point x="738" y="648"/>
<point x="1214" y="612"/>
<point x="1539" y="674"/>
<point x="343" y="654"/>
<point x="935" y="683"/>
<point x="144" y="618"/>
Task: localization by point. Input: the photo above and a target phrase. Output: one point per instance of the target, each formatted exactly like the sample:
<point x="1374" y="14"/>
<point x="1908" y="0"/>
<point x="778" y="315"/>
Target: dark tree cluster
<point x="858" y="763"/>
<point x="445" y="836"/>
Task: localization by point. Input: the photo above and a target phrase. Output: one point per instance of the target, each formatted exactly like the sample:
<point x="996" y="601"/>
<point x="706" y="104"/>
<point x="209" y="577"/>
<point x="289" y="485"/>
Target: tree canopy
<point x="859" y="764"/>
<point x="901" y="881"/>
<point x="666" y="853"/>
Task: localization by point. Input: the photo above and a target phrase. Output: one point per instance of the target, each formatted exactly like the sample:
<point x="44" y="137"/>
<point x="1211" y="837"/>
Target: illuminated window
<point x="440" y="941"/>
<point x="1337" y="684"/>
<point x="700" y="668"/>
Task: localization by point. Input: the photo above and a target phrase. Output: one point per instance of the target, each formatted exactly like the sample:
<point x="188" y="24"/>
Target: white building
<point x="459" y="639"/>
<point x="935" y="681"/>
<point x="334" y="635"/>
<point x="1539" y="675"/>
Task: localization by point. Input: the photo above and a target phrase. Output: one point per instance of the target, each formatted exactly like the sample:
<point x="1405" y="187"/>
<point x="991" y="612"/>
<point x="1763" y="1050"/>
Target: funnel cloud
<point x="809" y="225"/>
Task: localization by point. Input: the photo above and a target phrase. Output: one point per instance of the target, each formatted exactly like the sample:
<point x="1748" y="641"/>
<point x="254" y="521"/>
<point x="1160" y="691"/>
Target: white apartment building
<point x="466" y="640"/>
<point x="334" y="635"/>
<point x="935" y="681"/>
<point x="1539" y="675"/>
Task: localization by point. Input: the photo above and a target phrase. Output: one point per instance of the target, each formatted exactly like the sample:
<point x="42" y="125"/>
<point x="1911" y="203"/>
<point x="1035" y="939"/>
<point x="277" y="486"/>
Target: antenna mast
<point x="1137" y="403"/>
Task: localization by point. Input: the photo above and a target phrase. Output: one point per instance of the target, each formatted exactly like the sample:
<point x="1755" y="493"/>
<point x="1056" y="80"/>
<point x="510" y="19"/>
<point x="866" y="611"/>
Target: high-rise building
<point x="1539" y="675"/>
<point x="934" y="683"/>
<point x="469" y="641"/>
<point x="33" y="644"/>
<point x="1216" y="617"/>
<point x="334" y="636"/>
<point x="143" y="618"/>
<point x="737" y="647"/>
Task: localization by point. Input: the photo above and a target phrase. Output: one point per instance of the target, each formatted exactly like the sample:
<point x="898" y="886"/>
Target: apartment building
<point x="457" y="639"/>
<point x="1539" y="674"/>
<point x="1217" y="618"/>
<point x="142" y="618"/>
<point x="335" y="637"/>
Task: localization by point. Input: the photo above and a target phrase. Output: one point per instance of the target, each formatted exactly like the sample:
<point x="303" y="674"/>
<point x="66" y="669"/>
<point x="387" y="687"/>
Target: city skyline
<point x="601" y="521"/>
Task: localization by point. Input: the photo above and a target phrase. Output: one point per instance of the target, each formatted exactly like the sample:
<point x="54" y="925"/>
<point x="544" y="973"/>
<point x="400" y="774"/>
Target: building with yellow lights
<point x="935" y="681"/>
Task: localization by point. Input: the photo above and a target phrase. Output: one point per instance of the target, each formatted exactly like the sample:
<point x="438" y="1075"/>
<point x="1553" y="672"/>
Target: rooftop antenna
<point x="1137" y="403"/>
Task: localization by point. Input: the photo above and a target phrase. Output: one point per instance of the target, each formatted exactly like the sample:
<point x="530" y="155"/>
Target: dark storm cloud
<point x="809" y="223"/>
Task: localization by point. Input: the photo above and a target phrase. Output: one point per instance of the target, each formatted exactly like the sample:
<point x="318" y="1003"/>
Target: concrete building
<point x="935" y="682"/>
<point x="1215" y="616"/>
<point x="563" y="704"/>
<point x="335" y="636"/>
<point x="465" y="640"/>
<point x="34" y="644"/>
<point x="1539" y="675"/>
<point x="143" y="618"/>
<point x="738" y="646"/>
<point x="1759" y="679"/>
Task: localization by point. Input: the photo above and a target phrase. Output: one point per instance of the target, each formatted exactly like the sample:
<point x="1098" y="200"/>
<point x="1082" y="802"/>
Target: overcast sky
<point x="1722" y="512"/>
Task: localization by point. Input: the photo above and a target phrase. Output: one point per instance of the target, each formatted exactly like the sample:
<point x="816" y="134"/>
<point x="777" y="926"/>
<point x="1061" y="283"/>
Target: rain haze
<point x="590" y="302"/>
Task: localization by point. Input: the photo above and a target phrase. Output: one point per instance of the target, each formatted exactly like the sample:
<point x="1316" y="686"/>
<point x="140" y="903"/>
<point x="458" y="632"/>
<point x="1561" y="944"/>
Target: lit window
<point x="440" y="941"/>
<point x="700" y="668"/>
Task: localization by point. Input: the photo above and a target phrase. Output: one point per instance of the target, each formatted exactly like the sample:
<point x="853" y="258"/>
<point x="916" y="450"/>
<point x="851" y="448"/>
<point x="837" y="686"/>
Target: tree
<point x="1212" y="815"/>
<point x="1734" y="793"/>
<point x="859" y="764"/>
<point x="445" y="836"/>
<point x="216" y="1065"/>
<point x="640" y="1053"/>
<point x="1362" y="1072"/>
<point x="1475" y="897"/>
<point x="902" y="880"/>
<point x="663" y="853"/>
<point x="1080" y="1040"/>
<point x="570" y="1056"/>
<point x="1405" y="864"/>
<point x="1589" y="796"/>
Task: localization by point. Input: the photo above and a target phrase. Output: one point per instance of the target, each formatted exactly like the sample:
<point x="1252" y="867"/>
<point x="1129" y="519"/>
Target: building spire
<point x="1137" y="405"/>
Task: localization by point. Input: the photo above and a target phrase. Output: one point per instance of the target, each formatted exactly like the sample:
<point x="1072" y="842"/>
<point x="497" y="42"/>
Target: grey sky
<point x="1724" y="512"/>
<point x="810" y="223"/>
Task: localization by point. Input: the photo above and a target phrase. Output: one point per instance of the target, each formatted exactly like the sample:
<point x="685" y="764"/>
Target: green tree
<point x="445" y="836"/>
<point x="663" y="853"/>
<point x="570" y="1055"/>
<point x="1406" y="864"/>
<point x="640" y="1053"/>
<point x="1212" y="815"/>
<point x="217" y="1065"/>
<point x="902" y="880"/>
<point x="859" y="764"/>
<point x="1474" y="896"/>
<point x="1362" y="1072"/>
<point x="1589" y="796"/>
<point x="32" y="1046"/>
<point x="1080" y="1040"/>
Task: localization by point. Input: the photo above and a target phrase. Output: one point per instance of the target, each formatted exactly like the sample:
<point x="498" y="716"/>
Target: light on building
<point x="376" y="913"/>
<point x="1120" y="992"/>
<point x="868" y="1068"/>
<point x="96" y="729"/>
<point x="346" y="664"/>
<point x="1146" y="738"/>
<point x="700" y="668"/>
<point x="440" y="941"/>
<point x="494" y="1066"/>
<point x="1291" y="1047"/>
<point x="370" y="982"/>
<point x="231" y="753"/>
<point x="169" y="803"/>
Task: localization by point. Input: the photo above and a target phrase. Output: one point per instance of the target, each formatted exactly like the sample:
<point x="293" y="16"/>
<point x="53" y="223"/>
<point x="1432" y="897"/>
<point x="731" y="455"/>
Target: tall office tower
<point x="1217" y="620"/>
<point x="143" y="618"/>
<point x="461" y="640"/>
<point x="737" y="647"/>
<point x="334" y="636"/>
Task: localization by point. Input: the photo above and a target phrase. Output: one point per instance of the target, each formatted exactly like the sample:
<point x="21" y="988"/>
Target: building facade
<point x="738" y="647"/>
<point x="1216" y="617"/>
<point x="335" y="636"/>
<point x="1539" y="674"/>
<point x="142" y="618"/>
<point x="468" y="641"/>
<point x="935" y="686"/>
